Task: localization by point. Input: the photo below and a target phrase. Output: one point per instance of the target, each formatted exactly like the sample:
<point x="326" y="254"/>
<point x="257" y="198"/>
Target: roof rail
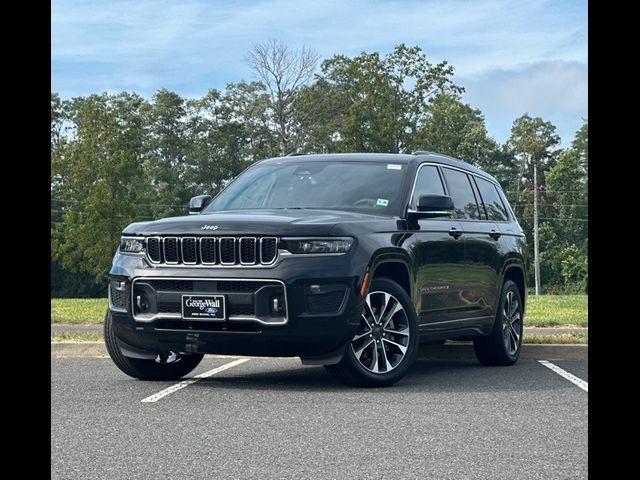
<point x="422" y="152"/>
<point x="295" y="154"/>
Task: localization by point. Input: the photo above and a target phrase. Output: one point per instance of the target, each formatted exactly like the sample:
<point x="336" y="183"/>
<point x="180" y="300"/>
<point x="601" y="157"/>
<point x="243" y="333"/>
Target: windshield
<point x="371" y="187"/>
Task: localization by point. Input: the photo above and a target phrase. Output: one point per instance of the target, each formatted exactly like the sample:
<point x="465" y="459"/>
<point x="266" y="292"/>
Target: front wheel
<point x="386" y="343"/>
<point x="166" y="366"/>
<point x="502" y="346"/>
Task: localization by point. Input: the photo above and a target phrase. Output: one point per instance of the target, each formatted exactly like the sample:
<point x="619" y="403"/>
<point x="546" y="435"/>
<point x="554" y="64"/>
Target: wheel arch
<point x="516" y="274"/>
<point x="394" y="266"/>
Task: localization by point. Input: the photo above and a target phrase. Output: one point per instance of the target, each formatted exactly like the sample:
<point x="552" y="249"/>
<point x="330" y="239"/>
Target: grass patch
<point x="76" y="337"/>
<point x="563" y="338"/>
<point x="78" y="310"/>
<point x="556" y="311"/>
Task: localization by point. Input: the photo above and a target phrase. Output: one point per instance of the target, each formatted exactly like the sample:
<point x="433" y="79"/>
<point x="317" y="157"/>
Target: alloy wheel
<point x="511" y="323"/>
<point x="383" y="337"/>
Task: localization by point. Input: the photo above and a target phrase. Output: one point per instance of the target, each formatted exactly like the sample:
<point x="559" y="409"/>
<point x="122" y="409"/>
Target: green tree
<point x="532" y="140"/>
<point x="564" y="236"/>
<point x="165" y="151"/>
<point x="455" y="128"/>
<point x="382" y="100"/>
<point x="100" y="181"/>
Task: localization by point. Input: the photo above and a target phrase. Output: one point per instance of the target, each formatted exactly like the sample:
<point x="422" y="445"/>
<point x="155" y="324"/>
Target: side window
<point x="496" y="210"/>
<point x="427" y="182"/>
<point x="464" y="201"/>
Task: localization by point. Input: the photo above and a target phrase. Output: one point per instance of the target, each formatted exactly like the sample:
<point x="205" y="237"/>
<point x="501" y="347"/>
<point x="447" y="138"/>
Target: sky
<point x="511" y="56"/>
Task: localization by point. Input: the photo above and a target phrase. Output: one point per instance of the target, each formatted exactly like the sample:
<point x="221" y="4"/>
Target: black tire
<point x="351" y="371"/>
<point x="146" y="369"/>
<point x="496" y="349"/>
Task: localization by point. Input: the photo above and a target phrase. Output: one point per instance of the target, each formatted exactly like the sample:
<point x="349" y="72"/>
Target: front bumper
<point x="316" y="321"/>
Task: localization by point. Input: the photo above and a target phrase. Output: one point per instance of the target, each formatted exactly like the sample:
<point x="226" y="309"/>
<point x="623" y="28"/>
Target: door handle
<point x="455" y="233"/>
<point x="495" y="235"/>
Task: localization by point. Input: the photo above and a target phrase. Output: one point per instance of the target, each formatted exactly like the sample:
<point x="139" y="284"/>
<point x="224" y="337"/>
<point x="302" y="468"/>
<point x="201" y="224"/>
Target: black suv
<point x="345" y="260"/>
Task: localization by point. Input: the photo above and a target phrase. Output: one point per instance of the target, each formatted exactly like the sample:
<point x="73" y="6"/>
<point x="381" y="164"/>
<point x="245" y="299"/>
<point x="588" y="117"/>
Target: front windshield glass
<point x="372" y="187"/>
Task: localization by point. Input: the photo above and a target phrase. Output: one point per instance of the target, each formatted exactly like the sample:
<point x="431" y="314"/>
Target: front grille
<point x="268" y="249"/>
<point x="172" y="285"/>
<point x="248" y="251"/>
<point x="227" y="250"/>
<point x="189" y="255"/>
<point x="242" y="310"/>
<point x="170" y="245"/>
<point x="153" y="249"/>
<point x="209" y="250"/>
<point x="235" y="310"/>
<point x="169" y="308"/>
<point x="231" y="286"/>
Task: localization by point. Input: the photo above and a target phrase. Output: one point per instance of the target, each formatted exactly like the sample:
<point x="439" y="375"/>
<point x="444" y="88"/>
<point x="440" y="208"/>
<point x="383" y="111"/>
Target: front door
<point x="436" y="246"/>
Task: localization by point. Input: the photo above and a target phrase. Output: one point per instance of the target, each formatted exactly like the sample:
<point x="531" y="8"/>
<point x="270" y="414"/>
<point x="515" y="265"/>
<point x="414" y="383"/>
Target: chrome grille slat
<point x="153" y="249"/>
<point x="248" y="251"/>
<point x="170" y="250"/>
<point x="189" y="254"/>
<point x="208" y="251"/>
<point x="268" y="250"/>
<point x="227" y="247"/>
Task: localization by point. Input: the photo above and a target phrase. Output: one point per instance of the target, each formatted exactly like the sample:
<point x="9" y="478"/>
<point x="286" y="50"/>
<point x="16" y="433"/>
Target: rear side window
<point x="493" y="205"/>
<point x="428" y="182"/>
<point x="464" y="201"/>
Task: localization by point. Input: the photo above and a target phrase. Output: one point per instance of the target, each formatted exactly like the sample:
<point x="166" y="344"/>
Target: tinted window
<point x="427" y="182"/>
<point x="492" y="202"/>
<point x="461" y="193"/>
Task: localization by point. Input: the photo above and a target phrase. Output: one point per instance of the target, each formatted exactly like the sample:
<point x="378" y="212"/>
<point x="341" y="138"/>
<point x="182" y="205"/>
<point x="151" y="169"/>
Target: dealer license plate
<point x="203" y="307"/>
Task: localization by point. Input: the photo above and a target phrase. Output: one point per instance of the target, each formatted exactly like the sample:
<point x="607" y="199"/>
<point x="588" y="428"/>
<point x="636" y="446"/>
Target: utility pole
<point x="536" y="255"/>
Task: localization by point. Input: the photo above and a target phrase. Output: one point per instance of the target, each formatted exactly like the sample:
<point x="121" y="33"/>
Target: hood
<point x="277" y="222"/>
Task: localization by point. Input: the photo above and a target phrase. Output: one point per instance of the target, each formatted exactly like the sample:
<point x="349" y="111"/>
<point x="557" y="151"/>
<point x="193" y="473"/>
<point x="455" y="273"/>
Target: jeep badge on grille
<point x="210" y="227"/>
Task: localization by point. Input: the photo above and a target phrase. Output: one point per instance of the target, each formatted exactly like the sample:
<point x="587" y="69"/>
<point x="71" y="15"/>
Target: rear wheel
<point x="502" y="346"/>
<point x="386" y="343"/>
<point x="166" y="366"/>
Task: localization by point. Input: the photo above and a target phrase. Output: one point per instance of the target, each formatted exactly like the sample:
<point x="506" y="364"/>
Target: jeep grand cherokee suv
<point x="345" y="260"/>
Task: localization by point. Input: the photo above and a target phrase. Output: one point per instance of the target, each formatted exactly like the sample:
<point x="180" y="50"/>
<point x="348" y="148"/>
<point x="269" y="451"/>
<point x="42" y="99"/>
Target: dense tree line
<point x="120" y="158"/>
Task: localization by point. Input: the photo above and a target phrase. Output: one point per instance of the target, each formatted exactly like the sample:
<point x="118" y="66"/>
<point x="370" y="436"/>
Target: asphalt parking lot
<point x="274" y="418"/>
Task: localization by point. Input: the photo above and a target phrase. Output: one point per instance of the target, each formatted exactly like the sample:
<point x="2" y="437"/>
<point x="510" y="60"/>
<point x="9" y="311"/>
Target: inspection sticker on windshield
<point x="394" y="166"/>
<point x="382" y="202"/>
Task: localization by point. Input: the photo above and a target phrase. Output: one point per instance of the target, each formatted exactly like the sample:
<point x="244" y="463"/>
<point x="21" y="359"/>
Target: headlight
<point x="131" y="244"/>
<point x="318" y="245"/>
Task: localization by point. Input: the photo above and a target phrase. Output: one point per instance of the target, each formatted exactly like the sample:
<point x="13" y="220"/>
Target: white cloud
<point x="553" y="90"/>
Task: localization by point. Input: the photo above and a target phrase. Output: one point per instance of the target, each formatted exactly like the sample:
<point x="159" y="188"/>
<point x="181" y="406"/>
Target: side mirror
<point x="196" y="204"/>
<point x="431" y="206"/>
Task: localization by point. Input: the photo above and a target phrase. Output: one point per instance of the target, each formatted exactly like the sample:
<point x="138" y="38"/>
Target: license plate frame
<point x="211" y="308"/>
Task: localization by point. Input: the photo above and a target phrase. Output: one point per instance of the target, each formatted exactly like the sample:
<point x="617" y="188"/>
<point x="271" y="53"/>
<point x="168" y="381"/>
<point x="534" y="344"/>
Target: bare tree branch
<point x="284" y="72"/>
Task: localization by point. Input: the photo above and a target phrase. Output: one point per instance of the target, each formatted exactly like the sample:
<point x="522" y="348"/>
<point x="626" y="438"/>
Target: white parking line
<point x="185" y="383"/>
<point x="563" y="373"/>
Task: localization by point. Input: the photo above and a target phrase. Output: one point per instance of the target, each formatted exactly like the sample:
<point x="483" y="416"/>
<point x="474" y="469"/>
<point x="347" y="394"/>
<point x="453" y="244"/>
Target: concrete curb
<point x="549" y="351"/>
<point x="449" y="351"/>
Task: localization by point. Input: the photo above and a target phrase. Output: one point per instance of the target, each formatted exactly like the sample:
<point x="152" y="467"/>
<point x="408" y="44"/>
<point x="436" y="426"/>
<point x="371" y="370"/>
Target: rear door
<point x="481" y="248"/>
